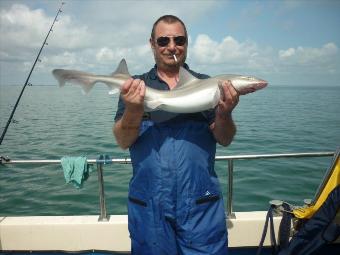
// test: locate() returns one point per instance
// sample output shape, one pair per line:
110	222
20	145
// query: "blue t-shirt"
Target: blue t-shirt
152	80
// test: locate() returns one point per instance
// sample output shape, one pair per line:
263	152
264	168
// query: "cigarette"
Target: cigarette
175	57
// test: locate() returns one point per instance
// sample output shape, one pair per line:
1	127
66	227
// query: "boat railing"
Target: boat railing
103	160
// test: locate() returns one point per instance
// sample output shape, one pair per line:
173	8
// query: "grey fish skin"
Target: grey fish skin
189	96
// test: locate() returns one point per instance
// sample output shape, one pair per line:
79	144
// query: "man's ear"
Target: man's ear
152	44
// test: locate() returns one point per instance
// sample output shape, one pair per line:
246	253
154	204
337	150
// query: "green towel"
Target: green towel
76	170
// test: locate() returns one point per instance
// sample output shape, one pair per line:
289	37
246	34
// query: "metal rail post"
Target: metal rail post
103	215
230	213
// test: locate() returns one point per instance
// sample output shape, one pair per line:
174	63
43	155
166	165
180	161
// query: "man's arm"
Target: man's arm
224	128
126	129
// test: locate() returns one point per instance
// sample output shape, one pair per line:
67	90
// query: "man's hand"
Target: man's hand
229	99
133	92
223	127
126	129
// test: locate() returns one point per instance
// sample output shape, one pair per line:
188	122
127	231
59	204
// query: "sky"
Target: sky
287	43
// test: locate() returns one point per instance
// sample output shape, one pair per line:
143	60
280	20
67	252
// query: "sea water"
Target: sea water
51	122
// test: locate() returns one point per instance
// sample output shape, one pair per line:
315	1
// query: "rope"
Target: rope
269	218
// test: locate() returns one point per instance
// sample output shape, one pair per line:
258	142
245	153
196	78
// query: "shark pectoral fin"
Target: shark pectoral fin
86	85
152	105
85	90
114	91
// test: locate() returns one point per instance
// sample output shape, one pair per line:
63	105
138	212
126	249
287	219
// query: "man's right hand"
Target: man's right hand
126	130
133	92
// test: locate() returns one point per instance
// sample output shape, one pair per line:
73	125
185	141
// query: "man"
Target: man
175	204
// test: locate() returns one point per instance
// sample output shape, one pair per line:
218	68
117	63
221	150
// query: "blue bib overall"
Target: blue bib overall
175	205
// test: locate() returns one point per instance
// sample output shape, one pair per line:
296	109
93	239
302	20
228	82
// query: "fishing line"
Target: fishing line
29	75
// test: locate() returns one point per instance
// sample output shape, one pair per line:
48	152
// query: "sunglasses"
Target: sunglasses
164	40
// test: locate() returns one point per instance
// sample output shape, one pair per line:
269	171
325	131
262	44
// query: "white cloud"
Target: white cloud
230	54
96	43
283	54
24	28
67	58
206	50
123	23
71	35
105	54
138	57
309	56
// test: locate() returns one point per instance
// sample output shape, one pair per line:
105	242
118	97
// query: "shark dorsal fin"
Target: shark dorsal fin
185	78
122	68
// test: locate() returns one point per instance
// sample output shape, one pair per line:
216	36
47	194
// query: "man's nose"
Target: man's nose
172	45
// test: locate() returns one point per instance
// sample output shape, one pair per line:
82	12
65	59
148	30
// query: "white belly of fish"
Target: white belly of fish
188	103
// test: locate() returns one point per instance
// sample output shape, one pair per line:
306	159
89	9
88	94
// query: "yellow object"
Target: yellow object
332	183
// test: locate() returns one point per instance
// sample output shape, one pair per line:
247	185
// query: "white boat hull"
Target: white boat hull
77	233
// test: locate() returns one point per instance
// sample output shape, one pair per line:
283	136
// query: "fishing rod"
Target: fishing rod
29	75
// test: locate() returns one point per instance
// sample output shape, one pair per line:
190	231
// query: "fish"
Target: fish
190	95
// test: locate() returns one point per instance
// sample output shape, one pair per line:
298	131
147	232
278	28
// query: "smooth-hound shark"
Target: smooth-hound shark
190	94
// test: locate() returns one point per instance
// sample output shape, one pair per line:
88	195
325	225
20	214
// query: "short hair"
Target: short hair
169	19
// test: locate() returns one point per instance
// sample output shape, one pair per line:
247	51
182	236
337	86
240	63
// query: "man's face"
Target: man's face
164	54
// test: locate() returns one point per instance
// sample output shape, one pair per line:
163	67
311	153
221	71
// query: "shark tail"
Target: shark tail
85	80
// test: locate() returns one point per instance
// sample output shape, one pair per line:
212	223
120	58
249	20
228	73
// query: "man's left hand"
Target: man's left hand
229	99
